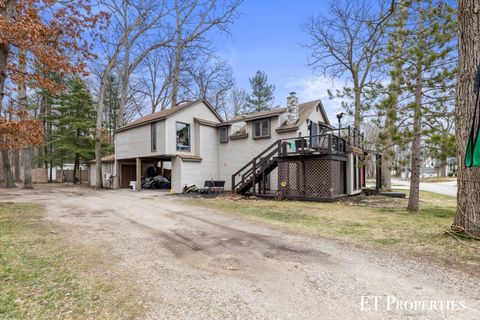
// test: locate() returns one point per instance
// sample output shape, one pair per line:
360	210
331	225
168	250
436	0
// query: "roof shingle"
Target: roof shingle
161	115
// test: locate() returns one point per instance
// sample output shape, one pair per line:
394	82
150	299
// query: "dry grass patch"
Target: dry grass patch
44	277
386	226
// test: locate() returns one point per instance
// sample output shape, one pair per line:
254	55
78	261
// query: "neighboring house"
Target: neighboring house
193	144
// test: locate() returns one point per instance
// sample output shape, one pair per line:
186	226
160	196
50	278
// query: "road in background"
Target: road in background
446	188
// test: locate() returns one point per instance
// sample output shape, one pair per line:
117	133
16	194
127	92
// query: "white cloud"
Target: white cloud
316	87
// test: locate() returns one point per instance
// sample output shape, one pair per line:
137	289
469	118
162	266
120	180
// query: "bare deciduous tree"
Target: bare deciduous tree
156	70
131	20
345	43
238	101
154	35
193	19
212	78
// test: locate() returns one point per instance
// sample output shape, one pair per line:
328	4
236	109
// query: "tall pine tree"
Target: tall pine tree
430	69
74	120
261	98
389	136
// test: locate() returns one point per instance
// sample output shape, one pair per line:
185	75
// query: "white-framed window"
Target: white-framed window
223	134
261	129
183	136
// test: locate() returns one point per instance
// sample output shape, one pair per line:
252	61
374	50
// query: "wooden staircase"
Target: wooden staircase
253	175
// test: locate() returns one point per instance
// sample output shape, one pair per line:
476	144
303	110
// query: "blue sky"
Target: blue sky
268	37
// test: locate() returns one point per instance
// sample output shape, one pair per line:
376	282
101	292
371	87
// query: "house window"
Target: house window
183	136
153	136
224	134
261	129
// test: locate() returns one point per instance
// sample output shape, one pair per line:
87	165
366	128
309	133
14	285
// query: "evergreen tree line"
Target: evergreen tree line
69	124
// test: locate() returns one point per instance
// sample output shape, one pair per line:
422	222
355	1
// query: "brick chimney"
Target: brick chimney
292	108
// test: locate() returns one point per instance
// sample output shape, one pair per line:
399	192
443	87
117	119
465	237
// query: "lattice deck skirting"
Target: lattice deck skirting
311	178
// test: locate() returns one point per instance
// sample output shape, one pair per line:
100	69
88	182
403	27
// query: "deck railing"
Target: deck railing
325	143
328	142
353	136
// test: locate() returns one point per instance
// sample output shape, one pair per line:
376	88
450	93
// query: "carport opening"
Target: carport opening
156	174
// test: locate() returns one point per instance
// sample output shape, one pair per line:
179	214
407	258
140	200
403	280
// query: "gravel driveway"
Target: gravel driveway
196	263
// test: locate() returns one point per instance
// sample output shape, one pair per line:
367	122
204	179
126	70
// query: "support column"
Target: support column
138	169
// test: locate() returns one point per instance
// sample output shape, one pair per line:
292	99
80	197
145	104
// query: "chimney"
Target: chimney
292	108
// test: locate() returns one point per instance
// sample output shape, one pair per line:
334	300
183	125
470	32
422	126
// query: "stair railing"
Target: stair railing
258	162
328	142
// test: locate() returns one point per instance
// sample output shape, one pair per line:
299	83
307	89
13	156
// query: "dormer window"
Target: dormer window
261	128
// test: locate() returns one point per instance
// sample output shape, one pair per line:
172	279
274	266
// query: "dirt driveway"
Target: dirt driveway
195	263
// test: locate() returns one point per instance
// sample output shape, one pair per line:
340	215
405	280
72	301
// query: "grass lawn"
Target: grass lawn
378	222
42	276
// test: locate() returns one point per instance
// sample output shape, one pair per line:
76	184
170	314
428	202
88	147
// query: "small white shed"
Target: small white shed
108	165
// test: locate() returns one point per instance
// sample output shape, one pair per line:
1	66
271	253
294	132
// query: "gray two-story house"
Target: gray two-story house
191	144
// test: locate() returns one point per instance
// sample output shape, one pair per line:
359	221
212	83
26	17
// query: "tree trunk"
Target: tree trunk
176	70
386	169
124	89
443	168
50	169
357	117
98	154
100	106
16	163
98	125
76	165
391	112
27	168
7	11
7	169
467	217
22	100
414	197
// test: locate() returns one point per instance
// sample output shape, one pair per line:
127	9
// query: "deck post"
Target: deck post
283	150
138	171
330	144
254	173
264	189
233	183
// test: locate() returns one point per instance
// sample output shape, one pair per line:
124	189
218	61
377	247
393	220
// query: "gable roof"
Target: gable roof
257	115
161	115
305	109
